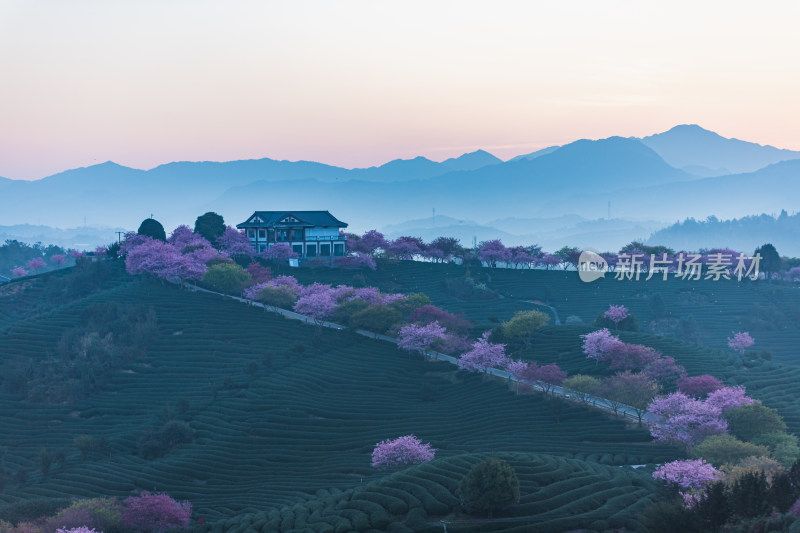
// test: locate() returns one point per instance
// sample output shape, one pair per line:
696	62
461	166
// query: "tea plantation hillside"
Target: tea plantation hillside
556	494
276	410
711	310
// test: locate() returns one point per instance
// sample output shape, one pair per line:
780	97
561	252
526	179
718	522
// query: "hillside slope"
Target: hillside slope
278	410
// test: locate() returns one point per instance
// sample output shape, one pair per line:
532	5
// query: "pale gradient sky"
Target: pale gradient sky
358	83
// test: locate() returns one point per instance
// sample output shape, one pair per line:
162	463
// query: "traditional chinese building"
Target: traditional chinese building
309	233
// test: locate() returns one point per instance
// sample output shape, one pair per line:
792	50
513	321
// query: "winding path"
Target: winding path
555	390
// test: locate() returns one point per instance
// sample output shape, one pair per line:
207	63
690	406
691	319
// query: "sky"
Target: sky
358	83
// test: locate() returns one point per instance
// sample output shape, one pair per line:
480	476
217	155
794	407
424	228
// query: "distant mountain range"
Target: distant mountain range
640	178
705	153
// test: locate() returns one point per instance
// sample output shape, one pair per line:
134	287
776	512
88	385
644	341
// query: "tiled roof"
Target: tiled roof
304	218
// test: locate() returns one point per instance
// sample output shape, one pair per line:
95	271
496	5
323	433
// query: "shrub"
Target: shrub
228	278
283	297
784	447
523	324
721	449
155	512
489	486
376	318
749	421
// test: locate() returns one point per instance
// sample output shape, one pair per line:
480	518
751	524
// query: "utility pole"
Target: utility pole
119	236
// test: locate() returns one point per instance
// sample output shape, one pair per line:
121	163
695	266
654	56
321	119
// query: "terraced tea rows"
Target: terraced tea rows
279	410
770	311
557	494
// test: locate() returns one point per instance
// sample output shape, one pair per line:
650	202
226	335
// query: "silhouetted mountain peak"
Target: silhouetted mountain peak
471	160
689	146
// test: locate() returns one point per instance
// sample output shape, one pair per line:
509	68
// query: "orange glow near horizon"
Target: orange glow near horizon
358	83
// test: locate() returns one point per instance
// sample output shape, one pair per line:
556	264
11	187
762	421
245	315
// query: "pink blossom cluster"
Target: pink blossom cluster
155	512
616	313
19	272
688	421
401	451
688	473
698	386
601	345
484	355
164	261
235	243
355	260
35	264
740	341
81	529
547	376
597	343
416	338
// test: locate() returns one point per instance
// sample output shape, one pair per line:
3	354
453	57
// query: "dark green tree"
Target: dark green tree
714	510
770	259
781	493
749	495
489	486
749	421
210	225
152	228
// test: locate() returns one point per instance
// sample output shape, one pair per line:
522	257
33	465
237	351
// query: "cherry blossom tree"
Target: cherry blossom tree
75	254
404	450
684	420
258	272
278	252
520	257
155	512
548	261
18	272
740	341
664	370
698	386
162	260
483	356
235	243
688	473
58	259
443	248
690	476
430	313
412	337
597	343
616	313
319	304
728	398
356	260
626	356
101	251
405	247
369	243
492	252
131	241
36	264
548	376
